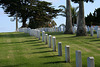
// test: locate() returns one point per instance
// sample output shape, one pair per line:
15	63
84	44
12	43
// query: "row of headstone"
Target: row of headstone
91	29
52	40
31	32
55	29
75	28
59	29
25	30
94	28
36	33
97	30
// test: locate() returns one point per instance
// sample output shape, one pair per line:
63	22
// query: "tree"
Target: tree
74	12
67	14
69	29
81	30
16	23
43	13
64	10
53	23
96	15
93	18
37	11
89	19
21	7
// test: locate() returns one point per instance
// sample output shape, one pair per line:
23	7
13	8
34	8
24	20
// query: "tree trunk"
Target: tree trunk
16	22
24	22
77	19
68	19
81	30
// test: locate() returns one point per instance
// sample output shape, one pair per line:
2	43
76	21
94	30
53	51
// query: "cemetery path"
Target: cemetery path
22	50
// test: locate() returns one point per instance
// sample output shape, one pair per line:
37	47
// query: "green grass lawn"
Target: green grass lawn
22	50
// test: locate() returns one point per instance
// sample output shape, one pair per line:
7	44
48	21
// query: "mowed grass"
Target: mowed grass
21	50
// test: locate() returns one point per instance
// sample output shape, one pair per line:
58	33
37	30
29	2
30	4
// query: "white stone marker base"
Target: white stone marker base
54	43
39	34
98	33
46	38
43	34
50	41
91	31
59	49
67	53
90	62
78	59
88	29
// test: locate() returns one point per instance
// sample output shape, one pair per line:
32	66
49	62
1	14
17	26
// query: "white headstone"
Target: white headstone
39	34
54	43
50	41
90	62
73	29
98	33
91	31
88	29
67	53
59	49
78	59
43	34
46	38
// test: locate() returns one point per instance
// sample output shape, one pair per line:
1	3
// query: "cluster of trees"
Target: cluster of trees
39	13
93	18
81	30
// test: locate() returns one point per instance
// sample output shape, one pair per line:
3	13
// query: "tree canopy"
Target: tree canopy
39	12
44	13
93	18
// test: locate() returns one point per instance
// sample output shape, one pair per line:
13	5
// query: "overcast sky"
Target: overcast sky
7	26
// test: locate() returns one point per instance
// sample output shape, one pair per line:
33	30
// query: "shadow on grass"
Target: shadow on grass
34	42
55	33
13	65
90	38
95	40
38	44
70	37
14	35
41	48
41	52
97	65
55	62
98	46
49	56
86	42
10	43
31	40
27	42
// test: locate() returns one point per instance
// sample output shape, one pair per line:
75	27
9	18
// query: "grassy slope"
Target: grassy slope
22	50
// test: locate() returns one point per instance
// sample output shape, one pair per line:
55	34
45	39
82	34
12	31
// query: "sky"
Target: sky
8	26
